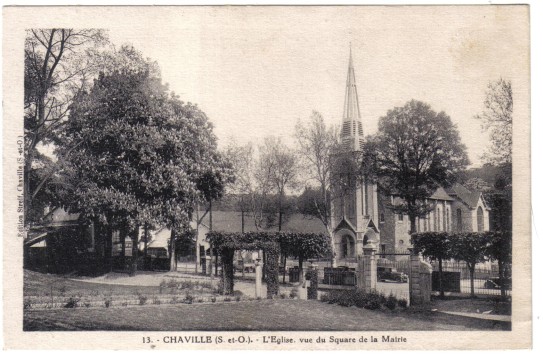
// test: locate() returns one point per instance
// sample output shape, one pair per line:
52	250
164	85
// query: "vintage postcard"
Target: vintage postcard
267	177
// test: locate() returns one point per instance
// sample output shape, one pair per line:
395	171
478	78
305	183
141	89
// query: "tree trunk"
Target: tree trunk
333	259
412	224
472	279
134	263
284	264
441	292
173	259
301	270
502	279
145	243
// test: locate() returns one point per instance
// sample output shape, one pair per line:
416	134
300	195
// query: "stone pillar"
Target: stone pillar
367	269
313	281
258	272
420	281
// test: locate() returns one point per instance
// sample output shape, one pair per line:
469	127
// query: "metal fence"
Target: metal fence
456	278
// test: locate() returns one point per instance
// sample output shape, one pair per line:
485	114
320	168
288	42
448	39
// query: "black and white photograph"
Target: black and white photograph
301	176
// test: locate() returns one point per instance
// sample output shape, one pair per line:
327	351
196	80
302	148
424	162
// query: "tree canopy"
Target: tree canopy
416	151
498	119
138	152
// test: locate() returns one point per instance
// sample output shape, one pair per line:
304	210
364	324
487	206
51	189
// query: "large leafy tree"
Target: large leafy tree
140	155
316	143
58	66
417	150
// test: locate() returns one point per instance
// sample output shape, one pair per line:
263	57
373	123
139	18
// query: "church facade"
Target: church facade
362	216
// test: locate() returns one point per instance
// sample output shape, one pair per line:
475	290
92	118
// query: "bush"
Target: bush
156	300
391	302
142	299
174	300
402	302
213	299
238	298
107	302
293	293
325	297
200	300
283	296
373	301
188	299
72	302
227	299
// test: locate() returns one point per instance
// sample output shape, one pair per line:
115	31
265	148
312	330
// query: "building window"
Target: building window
459	220
438	220
480	220
382	217
383	250
400	216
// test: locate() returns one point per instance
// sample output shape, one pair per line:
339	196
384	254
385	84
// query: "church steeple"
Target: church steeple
352	134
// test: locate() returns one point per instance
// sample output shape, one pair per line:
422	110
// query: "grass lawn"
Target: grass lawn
272	315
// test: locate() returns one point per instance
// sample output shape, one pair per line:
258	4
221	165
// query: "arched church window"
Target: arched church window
480	220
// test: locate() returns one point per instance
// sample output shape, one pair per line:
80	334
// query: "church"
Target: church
362	215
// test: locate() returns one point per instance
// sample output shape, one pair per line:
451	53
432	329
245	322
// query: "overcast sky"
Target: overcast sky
256	71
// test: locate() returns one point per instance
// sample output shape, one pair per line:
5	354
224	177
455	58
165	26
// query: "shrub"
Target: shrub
374	301
361	299
107	302
200	300
189	299
391	302
142	299
227	299
347	298
402	302
293	293
156	300
72	302
238	298
213	299
87	304
283	296
174	300
325	297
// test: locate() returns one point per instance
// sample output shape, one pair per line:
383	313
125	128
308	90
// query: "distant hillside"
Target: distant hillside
488	173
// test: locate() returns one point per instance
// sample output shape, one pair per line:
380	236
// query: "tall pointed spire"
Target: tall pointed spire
351	133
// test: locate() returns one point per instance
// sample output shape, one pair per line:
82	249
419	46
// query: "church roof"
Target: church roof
352	134
441	194
469	197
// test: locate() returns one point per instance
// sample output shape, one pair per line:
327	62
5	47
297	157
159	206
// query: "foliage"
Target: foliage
138	153
360	299
316	144
417	150
472	248
498	119
402	303
433	245
58	64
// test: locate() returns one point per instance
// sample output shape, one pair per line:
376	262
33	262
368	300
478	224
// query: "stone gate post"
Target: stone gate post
367	269
313	278
420	280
